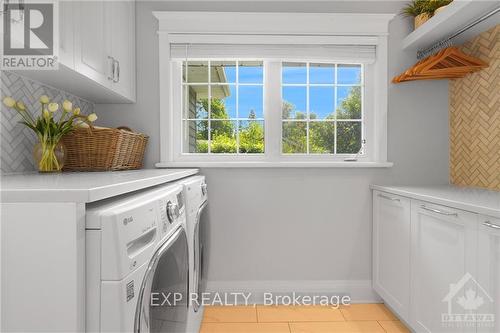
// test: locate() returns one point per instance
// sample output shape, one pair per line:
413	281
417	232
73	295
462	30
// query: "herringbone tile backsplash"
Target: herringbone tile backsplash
475	117
17	141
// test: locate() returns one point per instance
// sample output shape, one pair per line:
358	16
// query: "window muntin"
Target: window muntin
223	107
322	108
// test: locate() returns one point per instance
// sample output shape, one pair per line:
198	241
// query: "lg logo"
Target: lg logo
29	29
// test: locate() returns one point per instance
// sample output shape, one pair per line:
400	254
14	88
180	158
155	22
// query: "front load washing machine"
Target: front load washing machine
196	194
137	263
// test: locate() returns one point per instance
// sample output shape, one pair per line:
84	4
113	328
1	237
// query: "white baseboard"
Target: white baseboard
360	291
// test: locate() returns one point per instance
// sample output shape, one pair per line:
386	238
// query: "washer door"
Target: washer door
163	298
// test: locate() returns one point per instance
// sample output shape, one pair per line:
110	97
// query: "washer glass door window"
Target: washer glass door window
163	298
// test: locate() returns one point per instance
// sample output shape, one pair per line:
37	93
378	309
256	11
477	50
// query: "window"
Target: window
245	89
223	110
322	110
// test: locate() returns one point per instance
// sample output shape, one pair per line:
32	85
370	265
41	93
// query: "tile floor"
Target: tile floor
355	318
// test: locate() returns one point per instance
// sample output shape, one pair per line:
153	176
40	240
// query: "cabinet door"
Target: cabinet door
391	250
92	42
489	274
121	28
443	254
66	34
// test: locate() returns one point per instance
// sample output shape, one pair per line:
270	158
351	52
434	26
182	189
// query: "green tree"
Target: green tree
348	137
252	138
294	132
350	108
223	132
322	134
218	111
252	115
349	133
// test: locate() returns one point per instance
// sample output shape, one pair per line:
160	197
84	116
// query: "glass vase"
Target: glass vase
49	156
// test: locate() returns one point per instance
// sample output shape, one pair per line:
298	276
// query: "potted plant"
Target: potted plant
437	6
422	10
416	9
49	153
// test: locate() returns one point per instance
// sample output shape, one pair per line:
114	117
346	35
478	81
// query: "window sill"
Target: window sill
286	164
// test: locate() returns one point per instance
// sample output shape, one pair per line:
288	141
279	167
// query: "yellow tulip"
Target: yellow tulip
67	105
20	106
46	114
9	102
76	111
53	107
44	99
92	117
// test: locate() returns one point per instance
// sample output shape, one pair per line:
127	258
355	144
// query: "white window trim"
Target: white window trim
271	28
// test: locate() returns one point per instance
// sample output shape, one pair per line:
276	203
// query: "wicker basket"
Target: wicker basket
104	149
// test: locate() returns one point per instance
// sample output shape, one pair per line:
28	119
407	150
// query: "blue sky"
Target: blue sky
321	98
250	97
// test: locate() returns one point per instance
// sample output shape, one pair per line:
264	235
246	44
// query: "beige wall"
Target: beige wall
475	117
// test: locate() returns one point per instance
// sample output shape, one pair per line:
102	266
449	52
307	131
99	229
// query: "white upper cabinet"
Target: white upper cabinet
96	51
488	274
105	44
66	34
391	250
121	29
92	43
443	247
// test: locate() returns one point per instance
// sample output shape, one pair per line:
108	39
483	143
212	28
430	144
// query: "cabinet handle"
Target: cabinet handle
112	76
437	211
491	225
117	79
389	198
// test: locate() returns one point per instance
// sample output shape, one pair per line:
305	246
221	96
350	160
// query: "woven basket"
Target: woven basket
104	149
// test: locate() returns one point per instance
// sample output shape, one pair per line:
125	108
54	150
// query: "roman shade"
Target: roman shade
364	54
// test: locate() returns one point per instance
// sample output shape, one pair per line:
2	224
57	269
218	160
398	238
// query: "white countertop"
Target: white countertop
83	187
471	199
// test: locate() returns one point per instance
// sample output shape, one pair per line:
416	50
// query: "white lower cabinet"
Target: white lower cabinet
436	266
488	274
443	247
391	246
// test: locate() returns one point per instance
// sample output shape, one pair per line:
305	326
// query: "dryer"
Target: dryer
196	194
137	263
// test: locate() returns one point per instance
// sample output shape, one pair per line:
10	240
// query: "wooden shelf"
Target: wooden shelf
454	17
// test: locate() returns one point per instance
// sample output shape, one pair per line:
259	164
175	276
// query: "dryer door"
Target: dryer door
198	260
162	305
